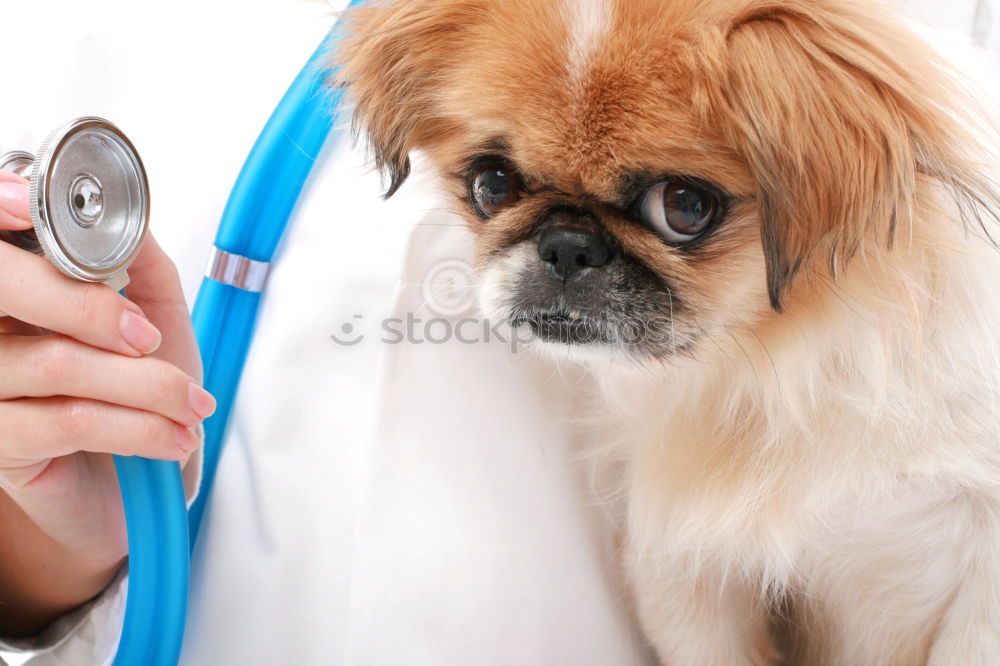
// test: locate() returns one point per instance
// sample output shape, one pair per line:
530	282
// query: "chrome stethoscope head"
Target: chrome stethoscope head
89	200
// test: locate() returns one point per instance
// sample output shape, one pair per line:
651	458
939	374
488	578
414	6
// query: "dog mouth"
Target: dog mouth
570	327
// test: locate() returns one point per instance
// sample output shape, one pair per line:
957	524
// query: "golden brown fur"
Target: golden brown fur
818	449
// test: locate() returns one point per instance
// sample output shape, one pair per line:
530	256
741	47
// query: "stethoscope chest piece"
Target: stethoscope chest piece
89	201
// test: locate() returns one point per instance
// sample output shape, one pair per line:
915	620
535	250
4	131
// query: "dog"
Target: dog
768	228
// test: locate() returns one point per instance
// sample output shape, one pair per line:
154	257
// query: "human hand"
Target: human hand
85	373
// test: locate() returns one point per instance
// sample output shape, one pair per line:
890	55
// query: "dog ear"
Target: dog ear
837	111
390	59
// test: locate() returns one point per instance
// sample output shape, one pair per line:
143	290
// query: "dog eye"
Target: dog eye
678	212
493	187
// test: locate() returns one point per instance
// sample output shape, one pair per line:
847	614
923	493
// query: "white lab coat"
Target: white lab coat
408	504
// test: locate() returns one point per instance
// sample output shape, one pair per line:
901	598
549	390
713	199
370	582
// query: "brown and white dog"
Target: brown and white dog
766	226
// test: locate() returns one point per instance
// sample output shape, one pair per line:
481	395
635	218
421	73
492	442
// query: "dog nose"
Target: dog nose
567	252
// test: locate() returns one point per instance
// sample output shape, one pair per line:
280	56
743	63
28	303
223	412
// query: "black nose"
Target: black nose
567	252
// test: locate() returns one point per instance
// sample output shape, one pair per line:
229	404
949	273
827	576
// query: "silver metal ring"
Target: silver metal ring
17	161
237	271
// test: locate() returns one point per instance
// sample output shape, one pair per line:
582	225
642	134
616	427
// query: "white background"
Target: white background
169	75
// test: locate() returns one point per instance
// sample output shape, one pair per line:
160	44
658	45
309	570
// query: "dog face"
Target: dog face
641	174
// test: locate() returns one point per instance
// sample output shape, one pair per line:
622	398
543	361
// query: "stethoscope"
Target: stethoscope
89	202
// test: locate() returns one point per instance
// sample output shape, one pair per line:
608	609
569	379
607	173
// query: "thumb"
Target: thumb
14	213
155	286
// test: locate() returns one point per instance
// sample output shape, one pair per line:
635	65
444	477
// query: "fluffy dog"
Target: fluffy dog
766	226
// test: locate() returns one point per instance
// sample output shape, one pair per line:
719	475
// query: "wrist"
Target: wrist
40	578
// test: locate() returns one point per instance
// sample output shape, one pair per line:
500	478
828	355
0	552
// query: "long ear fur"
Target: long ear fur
838	110
391	59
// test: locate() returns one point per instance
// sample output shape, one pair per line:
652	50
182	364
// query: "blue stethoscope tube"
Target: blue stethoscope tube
161	533
252	225
153	495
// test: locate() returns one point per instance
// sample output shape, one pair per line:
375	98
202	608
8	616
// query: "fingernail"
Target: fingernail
131	305
14	200
201	401
139	333
186	439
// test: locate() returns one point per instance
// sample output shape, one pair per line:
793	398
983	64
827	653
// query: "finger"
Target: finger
11	326
34	291
156	287
40	428
14	211
11	177
55	365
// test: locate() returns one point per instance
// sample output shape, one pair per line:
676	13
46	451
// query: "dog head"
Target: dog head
641	173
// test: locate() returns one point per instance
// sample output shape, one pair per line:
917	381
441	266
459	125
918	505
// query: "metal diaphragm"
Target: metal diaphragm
89	201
